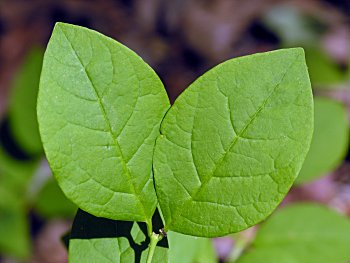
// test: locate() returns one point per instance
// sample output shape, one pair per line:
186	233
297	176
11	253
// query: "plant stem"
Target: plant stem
154	238
149	228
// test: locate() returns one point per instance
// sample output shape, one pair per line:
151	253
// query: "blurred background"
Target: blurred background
180	39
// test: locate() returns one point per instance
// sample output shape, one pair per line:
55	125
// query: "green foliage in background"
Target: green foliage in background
330	140
18	176
22	108
52	203
292	26
296	28
324	72
14	229
15	175
303	233
14	178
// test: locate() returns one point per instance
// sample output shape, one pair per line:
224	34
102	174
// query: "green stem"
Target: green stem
154	238
149	228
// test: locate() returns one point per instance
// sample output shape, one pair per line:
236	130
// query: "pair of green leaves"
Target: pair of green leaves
226	152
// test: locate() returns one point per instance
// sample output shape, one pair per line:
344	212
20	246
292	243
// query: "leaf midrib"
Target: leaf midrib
245	128
107	121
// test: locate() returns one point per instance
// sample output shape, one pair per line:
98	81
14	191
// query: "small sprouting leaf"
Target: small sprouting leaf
22	108
101	240
99	110
189	249
233	143
330	140
51	202
302	233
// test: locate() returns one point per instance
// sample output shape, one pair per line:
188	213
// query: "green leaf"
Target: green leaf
189	249
96	239
233	143
116	250
14	229
99	110
22	108
51	202
330	141
100	250
302	233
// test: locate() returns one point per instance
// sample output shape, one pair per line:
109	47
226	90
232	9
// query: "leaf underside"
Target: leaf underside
99	110
233	143
302	233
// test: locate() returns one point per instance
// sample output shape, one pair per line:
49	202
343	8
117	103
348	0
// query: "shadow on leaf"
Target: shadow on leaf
87	226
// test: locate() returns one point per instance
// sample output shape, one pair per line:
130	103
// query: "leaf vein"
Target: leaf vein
103	110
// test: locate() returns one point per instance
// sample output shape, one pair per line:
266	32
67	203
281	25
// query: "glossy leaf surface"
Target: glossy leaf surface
233	143
99	110
303	233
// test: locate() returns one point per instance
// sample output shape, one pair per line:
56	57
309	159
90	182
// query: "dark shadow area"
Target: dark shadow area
262	34
87	226
2	27
9	143
61	14
36	224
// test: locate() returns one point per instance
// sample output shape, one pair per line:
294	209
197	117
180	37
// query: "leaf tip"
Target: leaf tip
61	25
298	50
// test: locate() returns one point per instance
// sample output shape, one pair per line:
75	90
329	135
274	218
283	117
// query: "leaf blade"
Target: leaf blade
223	136
99	109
